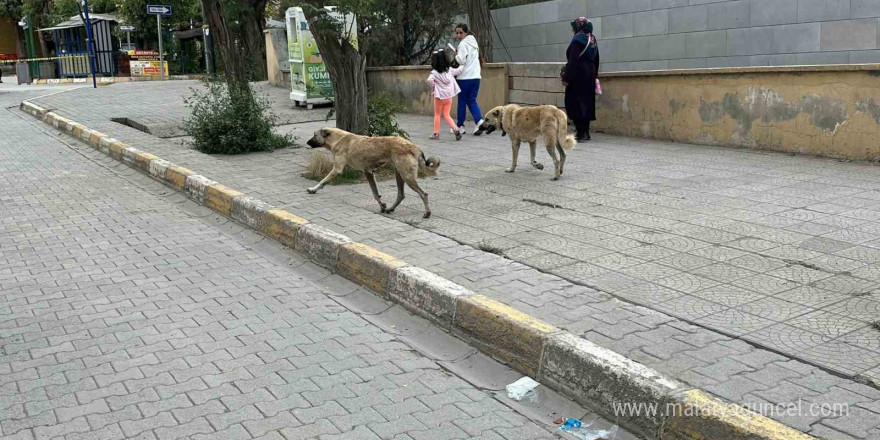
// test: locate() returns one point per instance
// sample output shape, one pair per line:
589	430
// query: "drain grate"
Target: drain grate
133	124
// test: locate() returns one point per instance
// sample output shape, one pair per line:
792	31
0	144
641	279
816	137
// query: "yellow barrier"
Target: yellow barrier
30	60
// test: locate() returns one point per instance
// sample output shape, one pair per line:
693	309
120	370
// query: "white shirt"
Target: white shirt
468	55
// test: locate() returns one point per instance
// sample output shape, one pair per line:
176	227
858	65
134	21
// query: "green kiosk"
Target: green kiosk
309	79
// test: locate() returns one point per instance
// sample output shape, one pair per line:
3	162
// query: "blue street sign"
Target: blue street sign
163	10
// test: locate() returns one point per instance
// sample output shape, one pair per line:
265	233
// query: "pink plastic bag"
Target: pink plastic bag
598	87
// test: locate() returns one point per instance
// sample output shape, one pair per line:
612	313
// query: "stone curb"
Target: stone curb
591	375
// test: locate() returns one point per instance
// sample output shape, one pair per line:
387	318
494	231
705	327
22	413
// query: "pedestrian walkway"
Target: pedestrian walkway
127	311
749	274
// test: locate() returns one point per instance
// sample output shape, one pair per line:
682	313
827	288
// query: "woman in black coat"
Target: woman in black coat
579	77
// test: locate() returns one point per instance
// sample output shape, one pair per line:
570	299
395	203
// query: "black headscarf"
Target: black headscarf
584	36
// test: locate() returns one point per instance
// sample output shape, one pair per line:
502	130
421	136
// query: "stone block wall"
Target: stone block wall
686	34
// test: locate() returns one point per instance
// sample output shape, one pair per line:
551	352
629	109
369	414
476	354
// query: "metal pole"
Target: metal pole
128	39
209	50
206	41
161	54
89	39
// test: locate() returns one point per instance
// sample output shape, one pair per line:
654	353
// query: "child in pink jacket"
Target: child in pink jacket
443	88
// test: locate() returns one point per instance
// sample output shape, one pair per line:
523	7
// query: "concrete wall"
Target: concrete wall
407	85
277	61
829	111
685	34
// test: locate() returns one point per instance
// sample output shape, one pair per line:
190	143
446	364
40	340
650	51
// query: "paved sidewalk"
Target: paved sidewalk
133	313
741	271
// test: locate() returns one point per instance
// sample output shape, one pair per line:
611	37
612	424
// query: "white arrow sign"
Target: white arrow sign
159	9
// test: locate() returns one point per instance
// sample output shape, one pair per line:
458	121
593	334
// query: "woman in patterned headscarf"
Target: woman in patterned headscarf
579	77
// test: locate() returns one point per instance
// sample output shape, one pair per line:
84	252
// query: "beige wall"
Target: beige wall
407	85
830	111
277	57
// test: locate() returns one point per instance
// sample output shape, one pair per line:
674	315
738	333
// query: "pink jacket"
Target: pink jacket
443	85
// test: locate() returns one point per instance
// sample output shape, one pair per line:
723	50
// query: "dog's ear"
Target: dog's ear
325	132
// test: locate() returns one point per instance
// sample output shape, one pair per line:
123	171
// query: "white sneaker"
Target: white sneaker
460	130
477	130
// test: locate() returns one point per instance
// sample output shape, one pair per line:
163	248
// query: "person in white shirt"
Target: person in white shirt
468	56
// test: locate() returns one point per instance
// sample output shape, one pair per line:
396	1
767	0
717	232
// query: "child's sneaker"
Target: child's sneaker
434	137
458	135
479	130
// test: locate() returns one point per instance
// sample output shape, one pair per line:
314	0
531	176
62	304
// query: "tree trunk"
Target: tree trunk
350	90
233	61
19	42
253	37
348	72
480	22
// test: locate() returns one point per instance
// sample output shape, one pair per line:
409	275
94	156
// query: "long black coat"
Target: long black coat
580	74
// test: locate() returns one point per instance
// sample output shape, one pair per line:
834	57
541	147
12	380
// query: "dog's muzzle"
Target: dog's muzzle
313	143
488	129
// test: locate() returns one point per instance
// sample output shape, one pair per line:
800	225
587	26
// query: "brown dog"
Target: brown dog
367	154
529	123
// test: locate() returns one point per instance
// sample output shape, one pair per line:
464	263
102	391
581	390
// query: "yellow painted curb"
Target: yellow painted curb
219	198
504	332
76	129
283	226
142	160
95	138
367	266
699	416
117	150
176	176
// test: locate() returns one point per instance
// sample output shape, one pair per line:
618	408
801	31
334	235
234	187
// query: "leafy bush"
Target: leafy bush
231	120
382	110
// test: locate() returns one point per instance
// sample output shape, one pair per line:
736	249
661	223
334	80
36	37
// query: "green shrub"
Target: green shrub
231	120
382	111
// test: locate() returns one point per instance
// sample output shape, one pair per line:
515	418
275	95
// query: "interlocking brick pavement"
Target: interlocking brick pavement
125	313
739	253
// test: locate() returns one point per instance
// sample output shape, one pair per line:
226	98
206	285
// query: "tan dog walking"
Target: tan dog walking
367	154
526	124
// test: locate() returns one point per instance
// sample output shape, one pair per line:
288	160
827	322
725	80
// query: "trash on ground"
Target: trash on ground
581	429
523	389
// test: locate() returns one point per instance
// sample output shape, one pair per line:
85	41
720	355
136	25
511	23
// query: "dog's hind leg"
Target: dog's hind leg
532	146
371	179
514	145
338	167
399	193
561	157
551	149
415	187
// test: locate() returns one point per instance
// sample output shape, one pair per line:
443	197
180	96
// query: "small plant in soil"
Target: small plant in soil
231	119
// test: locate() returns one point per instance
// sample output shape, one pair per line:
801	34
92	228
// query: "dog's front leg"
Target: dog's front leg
532	146
514	145
371	179
337	168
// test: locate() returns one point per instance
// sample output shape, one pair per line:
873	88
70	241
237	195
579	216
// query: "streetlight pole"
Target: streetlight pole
90	41
161	54
206	40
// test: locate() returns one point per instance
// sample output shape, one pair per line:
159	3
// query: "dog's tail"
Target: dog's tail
566	140
428	166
